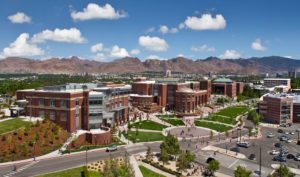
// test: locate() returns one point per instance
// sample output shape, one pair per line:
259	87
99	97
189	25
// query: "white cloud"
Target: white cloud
202	48
117	52
72	35
153	43
257	45
150	30
22	47
180	55
135	52
19	17
205	22
97	48
164	29
94	11
288	56
230	54
154	57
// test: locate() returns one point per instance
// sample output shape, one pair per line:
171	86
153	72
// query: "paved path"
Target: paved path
2	120
145	130
215	122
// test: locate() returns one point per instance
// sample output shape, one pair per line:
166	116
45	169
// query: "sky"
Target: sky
161	29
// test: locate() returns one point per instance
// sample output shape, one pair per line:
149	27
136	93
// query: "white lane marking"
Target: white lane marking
233	163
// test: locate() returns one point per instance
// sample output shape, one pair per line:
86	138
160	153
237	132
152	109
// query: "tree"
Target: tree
254	117
184	159
171	145
282	171
164	156
242	172
213	166
149	154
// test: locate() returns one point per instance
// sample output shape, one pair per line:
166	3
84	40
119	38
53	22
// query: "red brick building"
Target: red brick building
227	87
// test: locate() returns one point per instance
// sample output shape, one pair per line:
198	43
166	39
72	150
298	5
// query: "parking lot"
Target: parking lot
267	145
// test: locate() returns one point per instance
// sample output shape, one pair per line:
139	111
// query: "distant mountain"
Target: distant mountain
270	64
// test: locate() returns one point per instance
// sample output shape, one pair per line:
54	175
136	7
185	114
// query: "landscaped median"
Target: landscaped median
73	172
149	173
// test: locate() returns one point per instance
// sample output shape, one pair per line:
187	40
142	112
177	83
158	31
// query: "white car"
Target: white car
289	141
287	133
292	133
270	135
297	158
274	152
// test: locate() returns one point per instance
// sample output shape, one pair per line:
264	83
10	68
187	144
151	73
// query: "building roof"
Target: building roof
277	79
223	80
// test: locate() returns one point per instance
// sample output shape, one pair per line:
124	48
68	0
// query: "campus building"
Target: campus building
183	97
273	82
280	108
79	106
227	87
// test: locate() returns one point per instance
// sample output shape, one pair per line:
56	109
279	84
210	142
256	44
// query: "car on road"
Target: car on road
252	157
278	145
280	131
290	156
243	144
274	152
284	138
279	158
270	135
111	148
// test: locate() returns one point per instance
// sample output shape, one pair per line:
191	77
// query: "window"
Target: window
42	114
52	115
77	102
41	102
52	103
63	103
63	116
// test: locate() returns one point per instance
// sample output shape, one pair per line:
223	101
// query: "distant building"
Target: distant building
227	87
183	97
168	73
272	82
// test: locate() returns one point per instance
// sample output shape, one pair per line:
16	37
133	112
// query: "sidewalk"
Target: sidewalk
135	165
223	151
293	170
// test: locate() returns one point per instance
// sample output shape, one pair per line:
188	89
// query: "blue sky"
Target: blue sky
161	29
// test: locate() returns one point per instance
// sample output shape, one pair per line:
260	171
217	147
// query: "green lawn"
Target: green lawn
233	111
148	125
12	124
74	172
165	116
144	136
149	173
213	126
174	122
226	120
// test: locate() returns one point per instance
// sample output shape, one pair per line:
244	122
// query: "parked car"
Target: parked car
283	138
235	149
274	152
279	158
243	144
292	133
111	148
289	141
270	135
287	133
280	131
297	157
252	157
278	145
290	156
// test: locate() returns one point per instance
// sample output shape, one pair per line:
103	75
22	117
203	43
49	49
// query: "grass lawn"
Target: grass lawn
233	111
226	120
174	122
148	125
12	124
149	173
74	172
213	126
144	136
165	116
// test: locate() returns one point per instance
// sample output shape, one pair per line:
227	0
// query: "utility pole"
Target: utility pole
260	160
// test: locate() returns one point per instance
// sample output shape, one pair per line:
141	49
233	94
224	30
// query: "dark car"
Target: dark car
279	158
209	159
278	145
290	156
280	131
235	149
252	157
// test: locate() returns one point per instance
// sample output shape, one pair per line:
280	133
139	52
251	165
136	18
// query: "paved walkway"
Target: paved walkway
2	120
204	120
145	130
223	151
135	165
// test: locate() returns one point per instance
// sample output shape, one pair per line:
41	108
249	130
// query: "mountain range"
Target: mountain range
73	65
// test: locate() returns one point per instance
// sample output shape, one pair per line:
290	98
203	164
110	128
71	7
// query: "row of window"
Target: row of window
63	103
52	115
